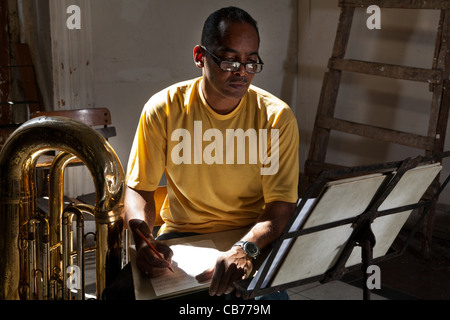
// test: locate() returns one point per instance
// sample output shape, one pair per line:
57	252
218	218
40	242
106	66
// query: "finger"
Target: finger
155	272
205	275
164	250
154	260
237	275
248	269
226	282
229	290
149	263
217	276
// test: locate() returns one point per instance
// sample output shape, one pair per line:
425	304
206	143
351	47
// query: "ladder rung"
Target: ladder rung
377	133
387	70
397	4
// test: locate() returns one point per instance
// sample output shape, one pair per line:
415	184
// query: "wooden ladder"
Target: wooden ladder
437	78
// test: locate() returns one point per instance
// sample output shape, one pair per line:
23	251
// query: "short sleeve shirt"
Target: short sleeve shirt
221	169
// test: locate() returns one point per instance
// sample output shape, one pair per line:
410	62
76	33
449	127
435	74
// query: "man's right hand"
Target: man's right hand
149	263
147	260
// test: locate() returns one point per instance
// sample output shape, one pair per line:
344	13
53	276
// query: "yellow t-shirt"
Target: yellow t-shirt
221	169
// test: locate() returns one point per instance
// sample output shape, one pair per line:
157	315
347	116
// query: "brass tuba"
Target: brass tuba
27	270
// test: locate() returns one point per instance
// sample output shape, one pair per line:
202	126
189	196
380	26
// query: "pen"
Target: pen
153	248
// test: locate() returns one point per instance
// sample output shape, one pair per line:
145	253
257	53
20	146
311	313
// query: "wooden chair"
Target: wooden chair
160	197
100	118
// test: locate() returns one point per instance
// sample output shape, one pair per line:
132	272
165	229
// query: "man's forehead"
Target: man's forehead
234	34
227	27
224	49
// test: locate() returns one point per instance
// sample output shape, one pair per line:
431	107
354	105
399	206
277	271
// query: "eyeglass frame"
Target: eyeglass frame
219	62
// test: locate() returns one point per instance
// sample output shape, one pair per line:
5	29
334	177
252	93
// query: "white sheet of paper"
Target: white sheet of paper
189	260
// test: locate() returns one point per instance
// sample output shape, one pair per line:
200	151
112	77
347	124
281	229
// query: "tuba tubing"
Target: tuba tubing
17	199
66	225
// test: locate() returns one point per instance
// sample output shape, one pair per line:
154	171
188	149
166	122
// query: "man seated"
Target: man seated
229	151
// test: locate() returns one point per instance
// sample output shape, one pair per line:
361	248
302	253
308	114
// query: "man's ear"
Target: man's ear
198	56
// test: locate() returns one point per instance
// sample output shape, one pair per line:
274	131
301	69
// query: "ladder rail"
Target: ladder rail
435	77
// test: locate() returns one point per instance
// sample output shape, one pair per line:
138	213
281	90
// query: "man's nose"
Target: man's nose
241	71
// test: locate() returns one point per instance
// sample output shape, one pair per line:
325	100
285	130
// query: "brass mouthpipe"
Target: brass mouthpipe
17	163
56	204
67	216
38	269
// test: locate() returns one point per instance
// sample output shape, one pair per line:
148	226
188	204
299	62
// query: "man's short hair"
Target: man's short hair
211	34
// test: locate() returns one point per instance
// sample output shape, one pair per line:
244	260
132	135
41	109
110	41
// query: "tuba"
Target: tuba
37	253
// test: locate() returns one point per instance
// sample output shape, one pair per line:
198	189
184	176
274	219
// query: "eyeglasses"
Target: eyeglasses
233	66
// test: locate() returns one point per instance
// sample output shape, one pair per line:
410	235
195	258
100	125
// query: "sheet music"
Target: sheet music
295	226
189	260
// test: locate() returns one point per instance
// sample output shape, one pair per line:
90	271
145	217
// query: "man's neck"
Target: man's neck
223	107
219	104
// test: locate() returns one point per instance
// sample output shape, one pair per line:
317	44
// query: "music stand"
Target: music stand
363	206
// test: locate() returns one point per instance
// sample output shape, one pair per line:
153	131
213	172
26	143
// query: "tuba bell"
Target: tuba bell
36	251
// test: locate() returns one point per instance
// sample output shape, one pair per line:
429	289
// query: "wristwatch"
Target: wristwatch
250	248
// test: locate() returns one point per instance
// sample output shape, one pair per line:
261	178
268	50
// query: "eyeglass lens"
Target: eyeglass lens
234	66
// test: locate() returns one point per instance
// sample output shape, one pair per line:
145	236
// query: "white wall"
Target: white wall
143	46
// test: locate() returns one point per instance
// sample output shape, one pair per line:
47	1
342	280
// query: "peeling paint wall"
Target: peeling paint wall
35	31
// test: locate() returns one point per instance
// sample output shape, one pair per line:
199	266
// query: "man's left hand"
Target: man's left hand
232	266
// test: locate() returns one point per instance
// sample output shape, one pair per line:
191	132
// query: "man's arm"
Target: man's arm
271	224
234	264
139	205
140	214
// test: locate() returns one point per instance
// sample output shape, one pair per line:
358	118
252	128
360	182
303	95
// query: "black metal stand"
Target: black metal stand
362	234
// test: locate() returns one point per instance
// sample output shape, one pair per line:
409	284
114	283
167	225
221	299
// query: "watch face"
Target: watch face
251	249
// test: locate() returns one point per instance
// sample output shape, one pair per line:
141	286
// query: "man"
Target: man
229	151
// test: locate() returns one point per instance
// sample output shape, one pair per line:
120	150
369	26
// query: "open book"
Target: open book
189	260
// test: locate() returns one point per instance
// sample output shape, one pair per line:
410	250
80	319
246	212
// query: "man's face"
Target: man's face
239	42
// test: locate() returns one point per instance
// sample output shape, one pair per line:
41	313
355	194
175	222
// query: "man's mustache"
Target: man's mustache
239	80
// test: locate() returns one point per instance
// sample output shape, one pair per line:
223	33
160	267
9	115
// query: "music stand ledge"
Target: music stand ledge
348	219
